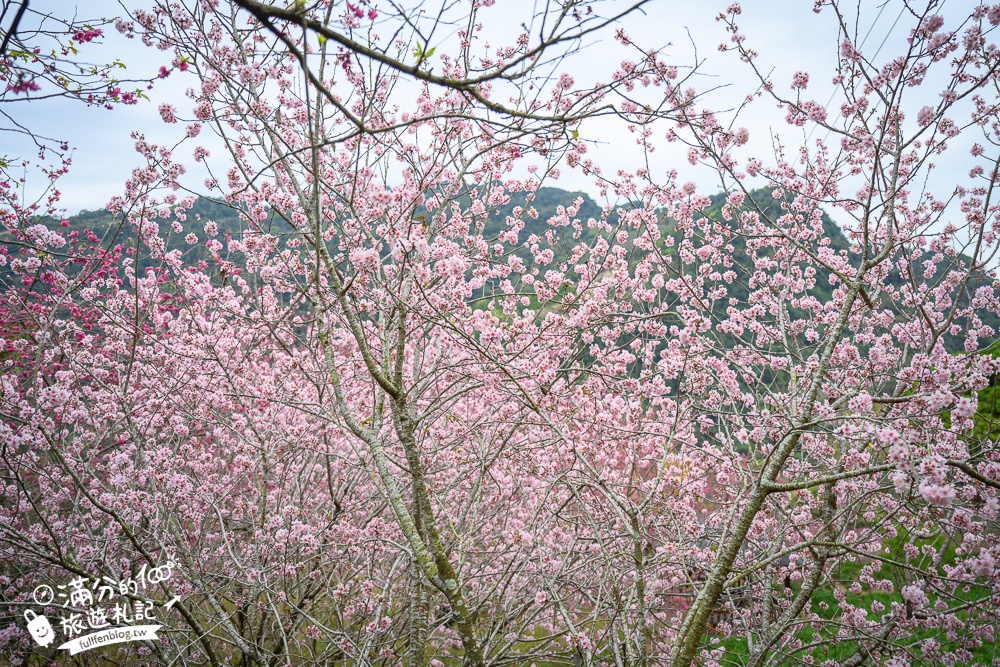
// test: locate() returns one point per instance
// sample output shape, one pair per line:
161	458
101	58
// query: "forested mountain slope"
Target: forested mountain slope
188	233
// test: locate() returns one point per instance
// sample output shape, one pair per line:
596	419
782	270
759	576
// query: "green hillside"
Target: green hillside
545	205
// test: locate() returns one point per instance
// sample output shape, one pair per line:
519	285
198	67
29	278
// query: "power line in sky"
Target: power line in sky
861	46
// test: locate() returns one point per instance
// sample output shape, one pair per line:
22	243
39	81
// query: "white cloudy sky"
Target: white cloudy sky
786	33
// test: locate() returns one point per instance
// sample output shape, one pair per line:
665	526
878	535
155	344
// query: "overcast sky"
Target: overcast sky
787	34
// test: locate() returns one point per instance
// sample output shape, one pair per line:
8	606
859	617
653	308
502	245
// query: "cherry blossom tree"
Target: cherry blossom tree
385	423
42	57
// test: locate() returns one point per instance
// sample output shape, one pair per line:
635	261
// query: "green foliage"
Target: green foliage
987	417
228	220
544	206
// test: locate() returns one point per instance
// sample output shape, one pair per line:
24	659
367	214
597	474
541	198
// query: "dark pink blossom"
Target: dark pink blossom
83	36
23	86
